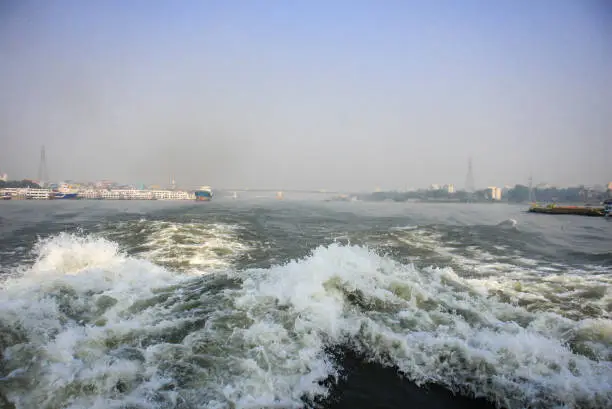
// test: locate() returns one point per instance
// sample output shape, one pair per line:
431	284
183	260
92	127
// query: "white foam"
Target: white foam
263	344
508	223
404	228
66	308
524	280
194	247
431	325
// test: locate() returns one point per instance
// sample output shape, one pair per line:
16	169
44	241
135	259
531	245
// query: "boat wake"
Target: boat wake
87	326
196	247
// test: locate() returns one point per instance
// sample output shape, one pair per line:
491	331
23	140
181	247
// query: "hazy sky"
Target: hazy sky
307	94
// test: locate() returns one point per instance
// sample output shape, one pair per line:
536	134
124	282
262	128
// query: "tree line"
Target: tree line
19	184
517	194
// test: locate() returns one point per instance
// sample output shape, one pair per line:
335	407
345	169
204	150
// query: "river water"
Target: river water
258	303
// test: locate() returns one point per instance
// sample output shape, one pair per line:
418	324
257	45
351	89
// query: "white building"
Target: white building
493	193
4	177
27	193
172	195
90	194
9	191
38	194
135	194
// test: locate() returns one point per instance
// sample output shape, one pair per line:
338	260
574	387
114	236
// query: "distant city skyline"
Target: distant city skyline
450	187
308	94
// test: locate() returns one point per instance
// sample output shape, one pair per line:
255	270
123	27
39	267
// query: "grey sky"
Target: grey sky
348	95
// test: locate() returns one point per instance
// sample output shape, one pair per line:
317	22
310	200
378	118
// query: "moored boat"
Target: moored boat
65	191
576	210
204	194
59	195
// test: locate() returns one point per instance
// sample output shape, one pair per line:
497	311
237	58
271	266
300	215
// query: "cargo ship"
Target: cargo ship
576	210
204	194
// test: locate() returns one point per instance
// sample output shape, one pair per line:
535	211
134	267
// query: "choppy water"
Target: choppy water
291	304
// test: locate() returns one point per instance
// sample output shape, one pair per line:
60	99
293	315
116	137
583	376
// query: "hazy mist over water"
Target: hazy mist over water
340	95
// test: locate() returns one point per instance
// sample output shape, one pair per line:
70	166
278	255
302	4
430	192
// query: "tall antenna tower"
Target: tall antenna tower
469	180
43	174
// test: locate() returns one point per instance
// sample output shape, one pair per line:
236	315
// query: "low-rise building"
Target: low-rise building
26	193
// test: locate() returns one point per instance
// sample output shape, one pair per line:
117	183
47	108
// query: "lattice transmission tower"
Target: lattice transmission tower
43	174
469	179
